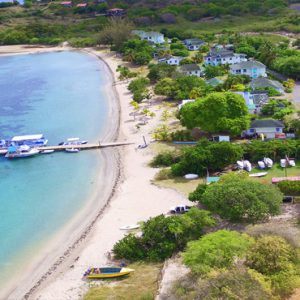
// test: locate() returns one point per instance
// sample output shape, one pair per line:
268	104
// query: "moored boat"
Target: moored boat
47	151
33	140
72	150
107	272
21	152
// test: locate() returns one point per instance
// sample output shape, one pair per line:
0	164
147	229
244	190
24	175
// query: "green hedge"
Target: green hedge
290	188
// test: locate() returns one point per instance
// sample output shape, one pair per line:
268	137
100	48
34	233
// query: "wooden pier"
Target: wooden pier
84	146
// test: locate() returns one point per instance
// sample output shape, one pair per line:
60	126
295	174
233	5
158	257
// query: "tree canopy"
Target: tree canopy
216	250
239	199
217	113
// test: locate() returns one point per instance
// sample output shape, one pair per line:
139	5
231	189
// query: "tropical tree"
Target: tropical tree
216	113
245	200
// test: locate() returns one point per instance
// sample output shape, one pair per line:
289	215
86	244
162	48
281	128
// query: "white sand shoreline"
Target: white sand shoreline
136	199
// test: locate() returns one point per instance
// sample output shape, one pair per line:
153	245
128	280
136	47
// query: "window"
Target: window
252	130
277	129
245	70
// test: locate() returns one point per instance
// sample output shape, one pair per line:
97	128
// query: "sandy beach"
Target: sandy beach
133	199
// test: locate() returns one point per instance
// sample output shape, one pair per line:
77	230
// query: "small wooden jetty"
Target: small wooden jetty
85	146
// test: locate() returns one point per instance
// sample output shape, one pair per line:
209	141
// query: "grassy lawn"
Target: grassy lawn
277	171
141	285
180	184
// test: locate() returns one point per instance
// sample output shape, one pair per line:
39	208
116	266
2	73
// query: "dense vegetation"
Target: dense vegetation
217	113
230	265
162	236
239	199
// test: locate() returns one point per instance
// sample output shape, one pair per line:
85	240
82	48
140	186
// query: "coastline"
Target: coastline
134	199
67	242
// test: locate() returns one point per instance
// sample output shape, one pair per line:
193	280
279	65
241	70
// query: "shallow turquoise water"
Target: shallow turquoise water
60	95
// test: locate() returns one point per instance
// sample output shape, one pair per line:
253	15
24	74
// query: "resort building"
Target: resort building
269	128
252	68
191	69
223	57
171	60
193	44
150	36
262	82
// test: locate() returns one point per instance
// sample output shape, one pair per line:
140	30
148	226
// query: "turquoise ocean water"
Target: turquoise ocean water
60	95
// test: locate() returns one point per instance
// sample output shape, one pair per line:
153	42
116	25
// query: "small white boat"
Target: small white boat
21	152
261	165
261	174
240	164
46	151
72	150
130	227
83	142
3	151
33	140
268	162
191	176
247	165
283	163
292	163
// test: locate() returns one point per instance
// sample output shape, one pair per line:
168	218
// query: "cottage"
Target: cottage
115	12
193	44
191	69
258	83
214	81
171	60
252	68
150	36
223	57
269	128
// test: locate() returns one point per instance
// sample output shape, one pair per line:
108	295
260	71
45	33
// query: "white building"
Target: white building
171	60
223	57
252	68
193	44
150	36
191	69
269	128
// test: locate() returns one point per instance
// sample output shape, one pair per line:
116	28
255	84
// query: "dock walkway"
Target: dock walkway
84	146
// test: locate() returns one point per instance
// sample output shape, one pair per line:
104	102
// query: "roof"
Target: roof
193	41
190	67
268	123
27	137
66	2
220	53
212	179
214	81
147	33
248	64
265	82
81	5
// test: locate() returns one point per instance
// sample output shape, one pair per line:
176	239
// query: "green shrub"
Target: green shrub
239	199
198	193
216	250
162	236
165	159
289	188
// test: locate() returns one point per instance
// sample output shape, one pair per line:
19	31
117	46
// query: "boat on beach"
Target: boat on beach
107	272
21	152
260	174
